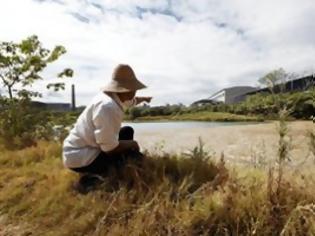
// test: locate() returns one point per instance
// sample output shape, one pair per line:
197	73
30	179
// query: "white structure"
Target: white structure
218	97
228	95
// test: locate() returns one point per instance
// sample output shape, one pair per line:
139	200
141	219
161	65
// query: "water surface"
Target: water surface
162	125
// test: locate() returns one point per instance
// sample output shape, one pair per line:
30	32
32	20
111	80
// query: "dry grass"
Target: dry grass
191	195
312	141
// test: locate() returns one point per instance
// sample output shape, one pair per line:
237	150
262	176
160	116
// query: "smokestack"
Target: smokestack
73	97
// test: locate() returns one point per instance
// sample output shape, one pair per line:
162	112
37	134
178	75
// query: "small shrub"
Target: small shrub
21	125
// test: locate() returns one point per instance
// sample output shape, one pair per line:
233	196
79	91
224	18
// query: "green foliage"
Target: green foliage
300	105
275	77
199	152
135	112
21	65
56	86
21	125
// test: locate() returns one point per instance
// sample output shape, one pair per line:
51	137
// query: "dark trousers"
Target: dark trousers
104	161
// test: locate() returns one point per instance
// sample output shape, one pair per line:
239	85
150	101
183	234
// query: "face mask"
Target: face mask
128	103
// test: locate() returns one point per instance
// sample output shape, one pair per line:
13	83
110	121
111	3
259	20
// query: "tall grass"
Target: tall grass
164	195
312	141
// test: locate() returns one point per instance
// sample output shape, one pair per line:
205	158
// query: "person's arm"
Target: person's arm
107	127
143	99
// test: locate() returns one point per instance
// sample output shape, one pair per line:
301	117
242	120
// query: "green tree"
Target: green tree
273	78
21	65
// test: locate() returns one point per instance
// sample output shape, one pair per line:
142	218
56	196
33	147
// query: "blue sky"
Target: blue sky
183	50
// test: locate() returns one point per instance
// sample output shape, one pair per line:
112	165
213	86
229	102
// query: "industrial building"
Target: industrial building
52	106
228	95
297	85
58	106
238	94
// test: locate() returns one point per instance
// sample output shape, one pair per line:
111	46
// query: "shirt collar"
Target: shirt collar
116	99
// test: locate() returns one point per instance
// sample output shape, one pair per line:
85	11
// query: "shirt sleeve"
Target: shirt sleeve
107	127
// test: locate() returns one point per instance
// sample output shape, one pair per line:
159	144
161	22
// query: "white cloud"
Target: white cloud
183	50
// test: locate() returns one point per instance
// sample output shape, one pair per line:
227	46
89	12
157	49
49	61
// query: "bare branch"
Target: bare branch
4	80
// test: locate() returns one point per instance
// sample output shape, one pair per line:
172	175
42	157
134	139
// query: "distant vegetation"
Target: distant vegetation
301	105
203	116
258	107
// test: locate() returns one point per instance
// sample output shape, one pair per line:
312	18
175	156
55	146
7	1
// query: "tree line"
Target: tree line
300	105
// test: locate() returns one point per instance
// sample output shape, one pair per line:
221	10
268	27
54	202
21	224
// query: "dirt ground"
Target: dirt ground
243	142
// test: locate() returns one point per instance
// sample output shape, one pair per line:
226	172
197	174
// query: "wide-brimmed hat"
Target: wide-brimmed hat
123	80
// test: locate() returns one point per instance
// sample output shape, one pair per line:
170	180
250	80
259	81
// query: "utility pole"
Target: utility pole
73	97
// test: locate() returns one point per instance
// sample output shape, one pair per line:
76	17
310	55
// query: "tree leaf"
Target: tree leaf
56	53
66	73
56	86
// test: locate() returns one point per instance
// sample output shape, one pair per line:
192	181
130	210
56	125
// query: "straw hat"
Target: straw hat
123	80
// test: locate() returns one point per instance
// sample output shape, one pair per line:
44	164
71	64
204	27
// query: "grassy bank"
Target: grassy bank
186	195
202	116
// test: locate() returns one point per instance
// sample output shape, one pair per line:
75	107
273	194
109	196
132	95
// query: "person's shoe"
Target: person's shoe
87	183
136	155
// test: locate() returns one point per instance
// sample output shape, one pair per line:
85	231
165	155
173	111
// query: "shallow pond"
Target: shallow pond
146	126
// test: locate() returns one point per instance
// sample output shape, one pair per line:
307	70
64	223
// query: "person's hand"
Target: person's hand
143	99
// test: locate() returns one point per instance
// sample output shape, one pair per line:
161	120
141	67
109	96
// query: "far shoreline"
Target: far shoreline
199	116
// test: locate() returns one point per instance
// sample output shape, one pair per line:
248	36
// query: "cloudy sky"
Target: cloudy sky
182	49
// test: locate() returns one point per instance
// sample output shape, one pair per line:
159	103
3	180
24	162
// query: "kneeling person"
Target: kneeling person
97	139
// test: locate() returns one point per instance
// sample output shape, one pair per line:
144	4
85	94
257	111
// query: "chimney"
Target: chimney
73	97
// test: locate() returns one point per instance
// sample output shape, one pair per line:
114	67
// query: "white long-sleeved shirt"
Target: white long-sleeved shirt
97	129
